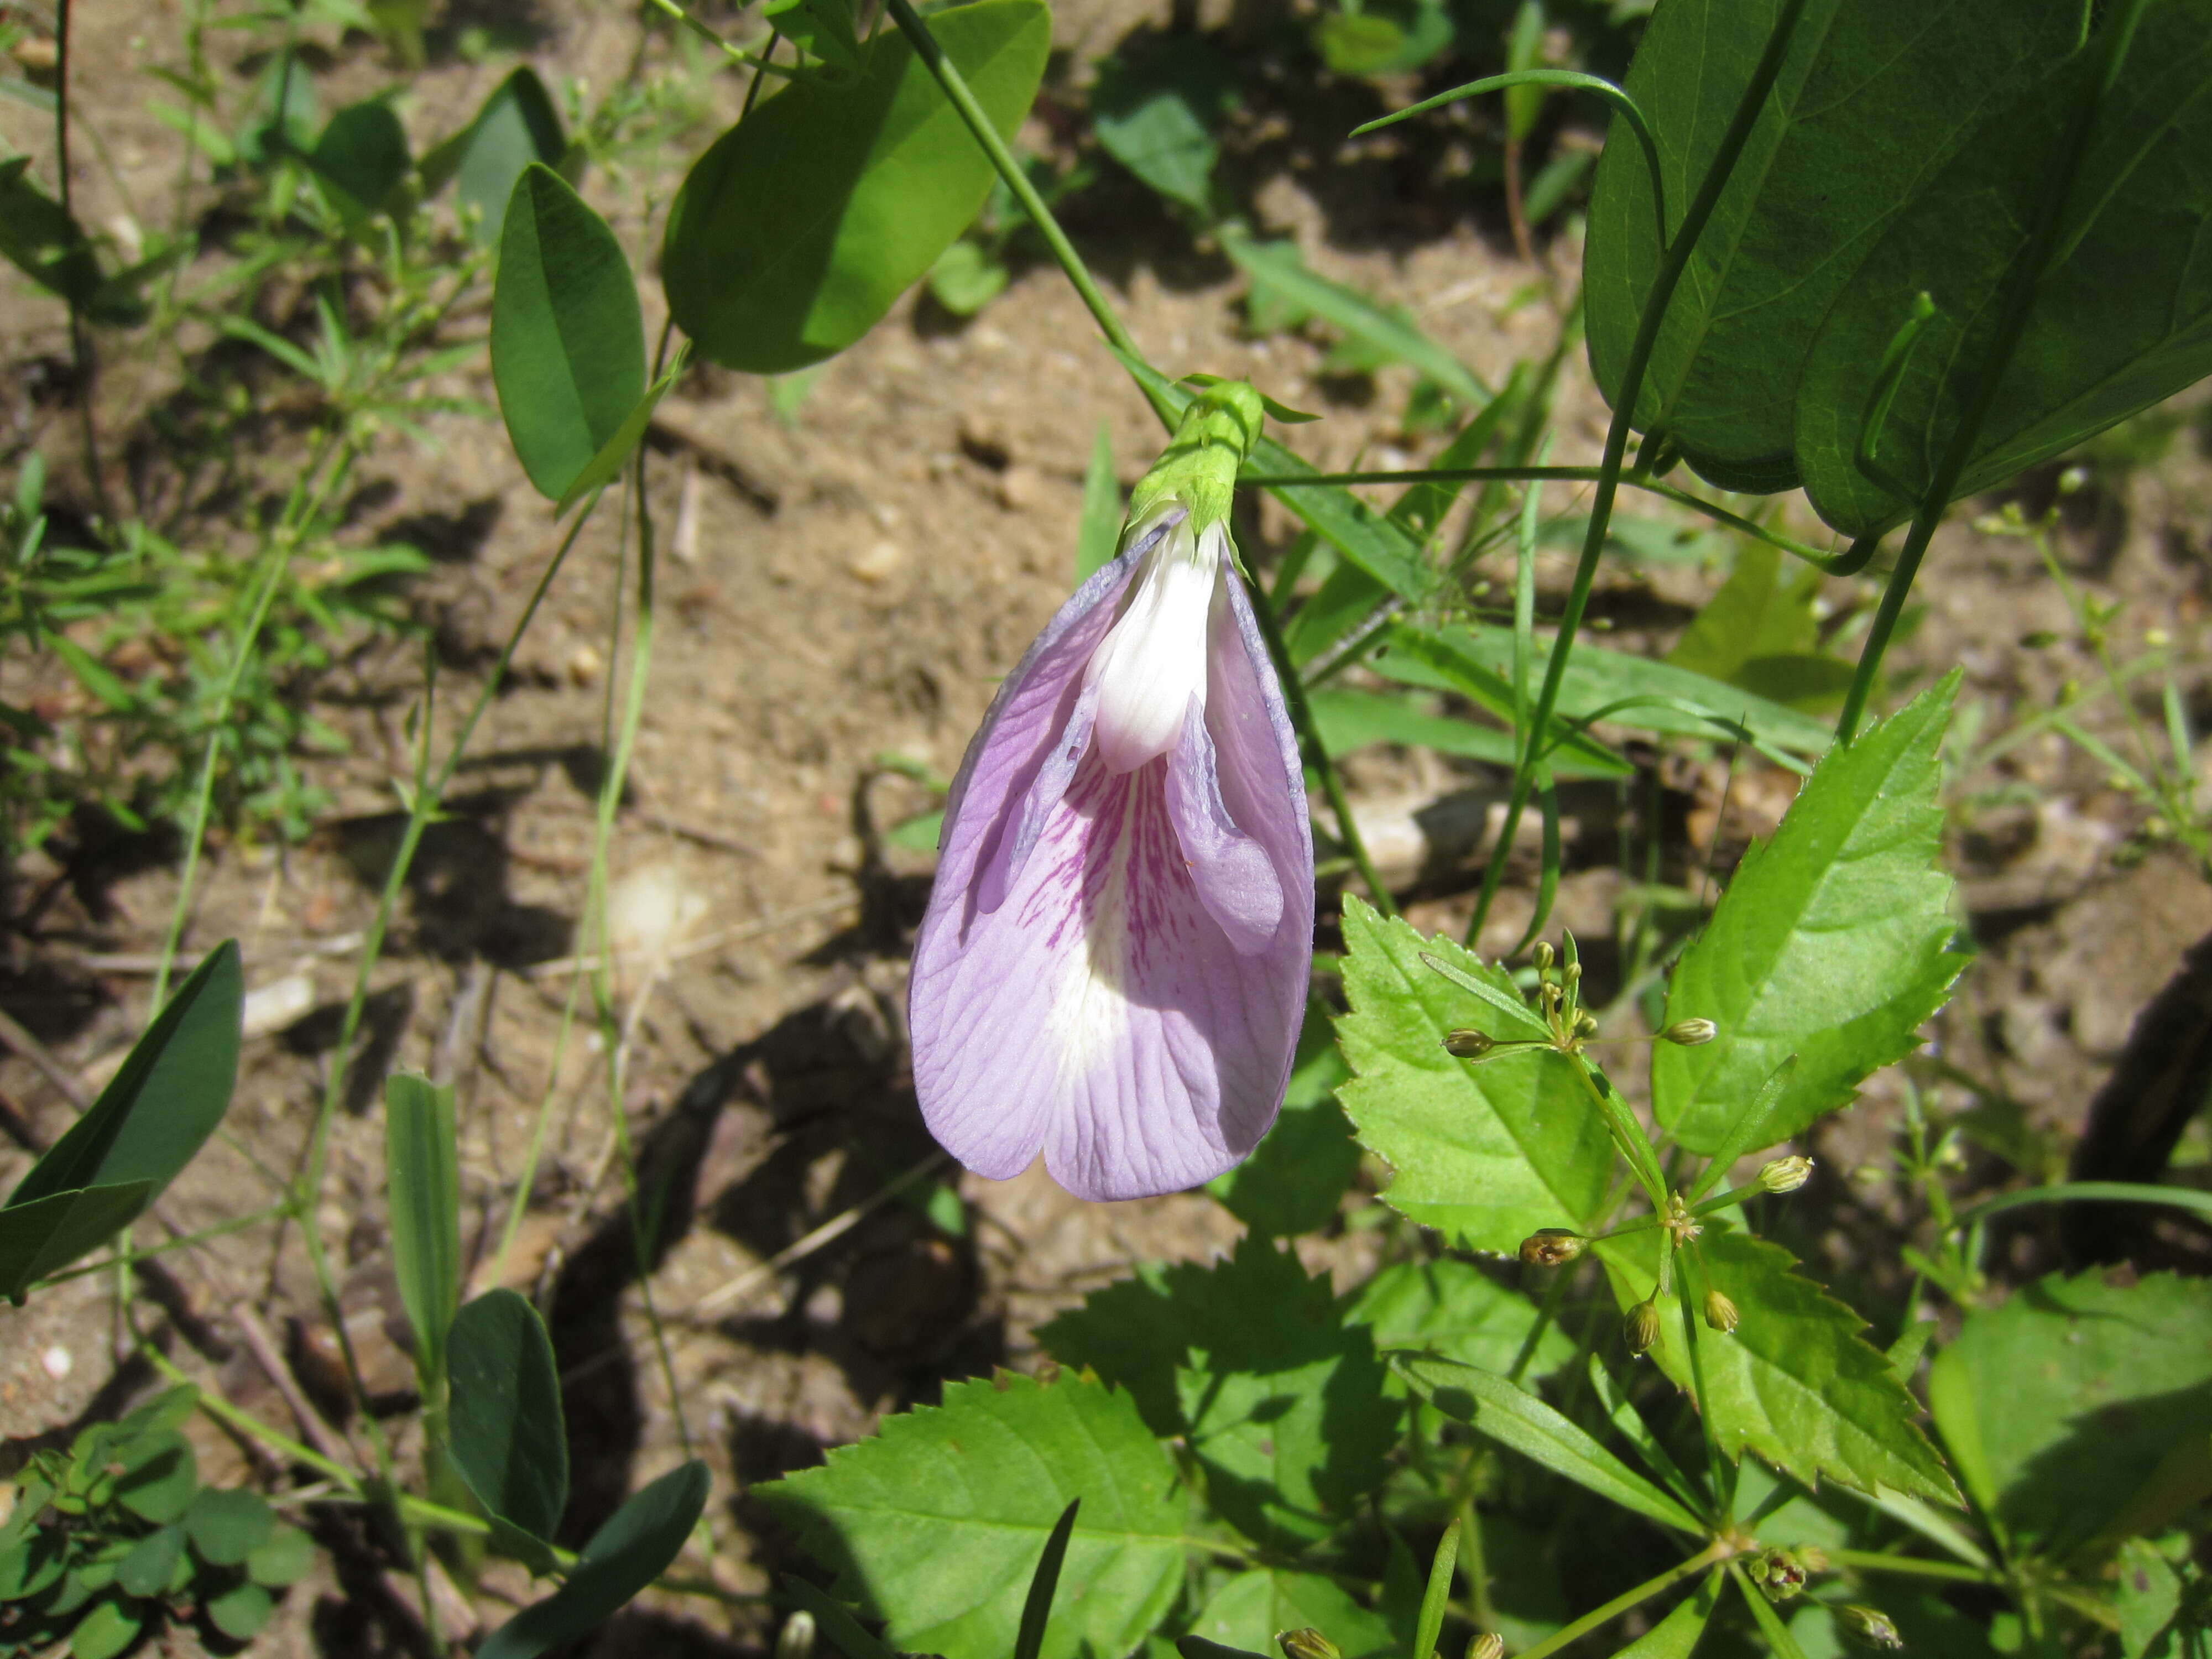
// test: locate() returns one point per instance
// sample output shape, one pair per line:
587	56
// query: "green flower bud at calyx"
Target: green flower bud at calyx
1641	1327
1552	1246
1199	467
1870	1625
1689	1033
1721	1313
1307	1644
1486	1644
1785	1174
1468	1044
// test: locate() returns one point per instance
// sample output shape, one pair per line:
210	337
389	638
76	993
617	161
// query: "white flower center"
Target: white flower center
1152	663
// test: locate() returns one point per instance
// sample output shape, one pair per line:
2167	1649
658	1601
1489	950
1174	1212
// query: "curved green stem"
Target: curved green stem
1672	265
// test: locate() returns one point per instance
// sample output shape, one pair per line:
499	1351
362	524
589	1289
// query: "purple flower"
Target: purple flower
1113	968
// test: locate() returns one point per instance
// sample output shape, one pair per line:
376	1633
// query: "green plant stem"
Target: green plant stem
1913	1566
2088	1192
979	122
755	62
80	352
130	1254
1672	264
1567	1634
2018	301
1689	1297
1831	563
1627	1134
1315	753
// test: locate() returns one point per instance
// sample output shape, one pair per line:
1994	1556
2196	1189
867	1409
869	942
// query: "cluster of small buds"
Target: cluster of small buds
1683	1227
1782	1573
1641	1325
1486	1644
1870	1625
1721	1313
1785	1174
1553	1247
1307	1643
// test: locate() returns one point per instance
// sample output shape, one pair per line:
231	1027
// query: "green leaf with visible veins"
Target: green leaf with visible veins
1871	100
1485	1153
1796	1383
938	1522
1279	1396
1246	1613
1451	1307
2080	1405
1831	943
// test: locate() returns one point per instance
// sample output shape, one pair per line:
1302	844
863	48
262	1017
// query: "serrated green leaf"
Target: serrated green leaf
1485	1154
1452	1308
1252	1361
567	341
226	1524
2122	314
866	181
509	1440
1870	99
2061	1406
1831	943
1247	1611
422	1167
1518	1420
635	1547
1796	1383
938	1520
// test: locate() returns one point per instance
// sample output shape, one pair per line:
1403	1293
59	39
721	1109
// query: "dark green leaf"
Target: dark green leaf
568	343
39	239
283	1559
821	27
1036	1608
509	1440
146	1571
517	125
1280	1399
49	1233
1485	1154
160	1475
929	1522
154	1117
1521	1422
422	1168
635	1547
240	1611
1796	1382
1831	943
361	155
865	182
2063	1406
622	442
226	1524
1870	102
2122	315
1245	1613
1453	1308
1156	111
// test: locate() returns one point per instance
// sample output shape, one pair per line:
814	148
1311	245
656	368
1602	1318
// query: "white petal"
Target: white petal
1153	663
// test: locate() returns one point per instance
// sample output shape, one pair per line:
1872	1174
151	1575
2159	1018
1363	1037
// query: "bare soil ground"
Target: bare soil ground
831	592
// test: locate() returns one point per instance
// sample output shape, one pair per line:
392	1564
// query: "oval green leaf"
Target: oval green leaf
227	1524
508	1439
517	125
567	340
799	227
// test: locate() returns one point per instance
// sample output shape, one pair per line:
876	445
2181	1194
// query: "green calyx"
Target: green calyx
1199	467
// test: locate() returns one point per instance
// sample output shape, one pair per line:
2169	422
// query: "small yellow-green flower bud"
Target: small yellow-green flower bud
796	1640
1870	1624
1585	1022
1689	1033
1468	1044
1486	1644
1307	1643
1786	1175
1552	1246
1543	956
1721	1313
1641	1325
